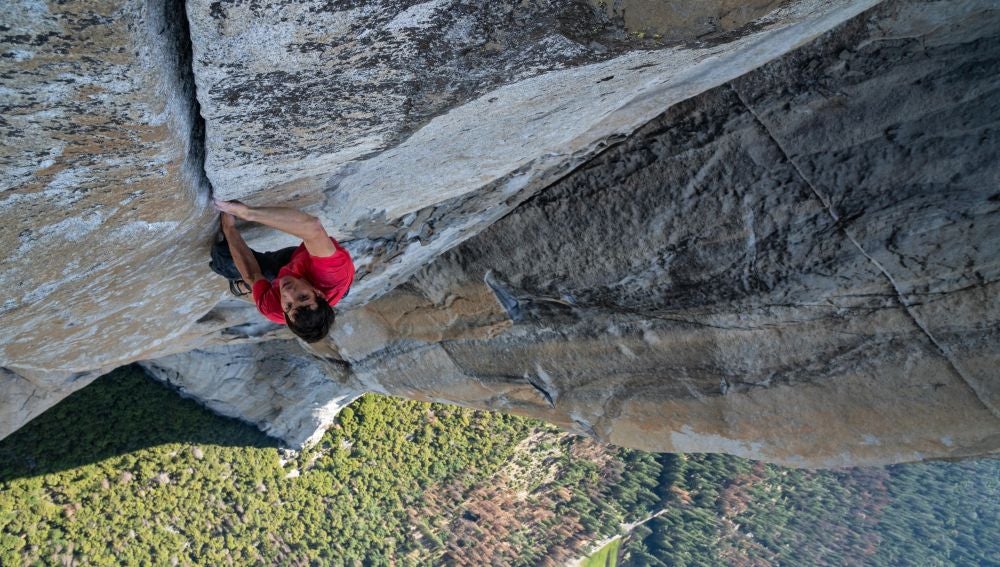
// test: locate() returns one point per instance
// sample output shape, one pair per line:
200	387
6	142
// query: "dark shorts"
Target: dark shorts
270	262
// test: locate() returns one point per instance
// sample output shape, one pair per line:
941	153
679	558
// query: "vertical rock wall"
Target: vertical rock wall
409	127
797	265
793	267
102	202
102	185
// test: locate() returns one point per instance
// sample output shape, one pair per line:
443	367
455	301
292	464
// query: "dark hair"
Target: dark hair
311	325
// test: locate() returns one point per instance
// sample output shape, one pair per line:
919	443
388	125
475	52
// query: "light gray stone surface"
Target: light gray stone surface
796	266
411	127
103	209
102	200
288	393
104	204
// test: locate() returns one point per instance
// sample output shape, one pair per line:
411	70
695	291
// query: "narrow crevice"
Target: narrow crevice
900	296
542	391
172	34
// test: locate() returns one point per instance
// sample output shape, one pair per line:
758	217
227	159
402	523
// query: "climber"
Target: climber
296	286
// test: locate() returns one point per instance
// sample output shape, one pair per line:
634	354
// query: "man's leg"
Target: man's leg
270	262
222	261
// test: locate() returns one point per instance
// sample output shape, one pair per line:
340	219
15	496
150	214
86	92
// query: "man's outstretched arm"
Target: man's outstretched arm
243	257
288	220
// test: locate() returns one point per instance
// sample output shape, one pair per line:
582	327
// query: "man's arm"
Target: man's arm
291	221
243	257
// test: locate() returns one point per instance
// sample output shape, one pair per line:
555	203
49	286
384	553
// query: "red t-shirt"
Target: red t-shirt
331	275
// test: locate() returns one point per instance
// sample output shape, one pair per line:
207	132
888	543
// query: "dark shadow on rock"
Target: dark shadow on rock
120	412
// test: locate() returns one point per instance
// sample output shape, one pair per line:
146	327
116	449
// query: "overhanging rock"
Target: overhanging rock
798	265
384	118
420	125
288	393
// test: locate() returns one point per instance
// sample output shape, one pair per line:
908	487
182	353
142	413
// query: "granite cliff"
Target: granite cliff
761	228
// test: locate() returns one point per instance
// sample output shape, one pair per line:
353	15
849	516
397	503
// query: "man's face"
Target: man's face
295	293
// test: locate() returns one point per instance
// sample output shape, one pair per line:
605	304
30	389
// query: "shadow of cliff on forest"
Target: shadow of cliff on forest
119	413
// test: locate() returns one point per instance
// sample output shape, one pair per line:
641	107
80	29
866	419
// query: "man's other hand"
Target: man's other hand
234	208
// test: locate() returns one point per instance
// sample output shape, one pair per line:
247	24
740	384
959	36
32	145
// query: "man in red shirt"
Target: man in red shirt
294	286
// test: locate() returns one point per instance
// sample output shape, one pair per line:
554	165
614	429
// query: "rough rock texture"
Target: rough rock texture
277	386
683	20
105	185
798	265
794	266
407	167
101	174
100	183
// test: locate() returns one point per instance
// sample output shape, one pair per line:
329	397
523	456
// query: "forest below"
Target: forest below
125	471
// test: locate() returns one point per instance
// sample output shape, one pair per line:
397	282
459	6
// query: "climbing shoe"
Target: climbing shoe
239	288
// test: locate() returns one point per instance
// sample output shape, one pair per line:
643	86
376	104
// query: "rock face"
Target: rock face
407	167
276	385
797	264
102	180
768	269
